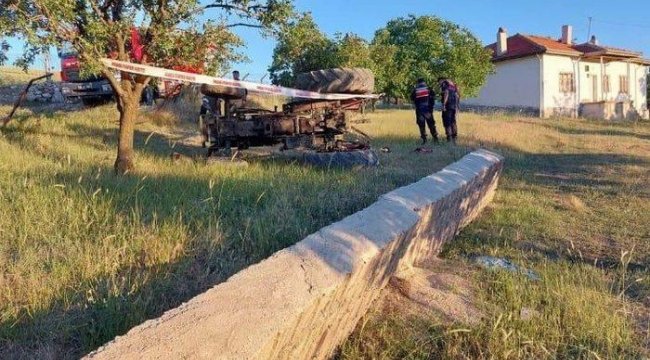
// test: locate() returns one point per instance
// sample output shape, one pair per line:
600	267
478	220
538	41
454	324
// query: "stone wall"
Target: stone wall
47	91
303	301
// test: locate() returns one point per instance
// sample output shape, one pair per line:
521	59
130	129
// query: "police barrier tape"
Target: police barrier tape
210	80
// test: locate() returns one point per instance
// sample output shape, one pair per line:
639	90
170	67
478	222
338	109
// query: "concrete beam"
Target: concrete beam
303	301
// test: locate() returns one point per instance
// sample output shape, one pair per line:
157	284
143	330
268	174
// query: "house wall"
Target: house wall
637	75
558	103
515	84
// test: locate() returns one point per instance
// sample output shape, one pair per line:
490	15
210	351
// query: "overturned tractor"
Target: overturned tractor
318	129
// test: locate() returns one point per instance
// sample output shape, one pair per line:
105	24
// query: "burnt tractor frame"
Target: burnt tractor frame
318	125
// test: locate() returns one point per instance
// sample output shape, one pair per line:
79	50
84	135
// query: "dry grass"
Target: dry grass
573	206
15	76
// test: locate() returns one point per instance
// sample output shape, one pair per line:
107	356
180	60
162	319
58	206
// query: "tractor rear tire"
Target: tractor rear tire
343	159
224	92
337	80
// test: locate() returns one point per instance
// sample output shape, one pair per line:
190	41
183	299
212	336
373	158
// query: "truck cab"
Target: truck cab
74	86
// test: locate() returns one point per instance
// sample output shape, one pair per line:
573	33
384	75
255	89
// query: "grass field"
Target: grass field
85	255
16	76
574	206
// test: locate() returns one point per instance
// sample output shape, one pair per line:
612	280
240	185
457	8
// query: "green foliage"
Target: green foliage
172	31
301	47
428	47
353	51
406	49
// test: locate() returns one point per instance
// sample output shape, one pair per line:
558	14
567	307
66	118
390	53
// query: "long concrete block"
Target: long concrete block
303	301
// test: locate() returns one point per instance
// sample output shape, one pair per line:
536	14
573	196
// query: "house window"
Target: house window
567	83
606	83
623	84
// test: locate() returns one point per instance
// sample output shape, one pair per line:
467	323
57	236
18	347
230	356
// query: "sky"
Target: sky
622	24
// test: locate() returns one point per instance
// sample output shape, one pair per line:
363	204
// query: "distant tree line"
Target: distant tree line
401	52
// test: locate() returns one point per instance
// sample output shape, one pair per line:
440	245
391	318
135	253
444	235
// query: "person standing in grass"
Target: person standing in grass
450	105
424	98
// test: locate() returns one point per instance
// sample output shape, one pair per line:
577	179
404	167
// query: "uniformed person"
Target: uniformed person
450	104
423	98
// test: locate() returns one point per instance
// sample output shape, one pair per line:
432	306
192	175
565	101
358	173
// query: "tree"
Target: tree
301	47
169	33
427	47
352	51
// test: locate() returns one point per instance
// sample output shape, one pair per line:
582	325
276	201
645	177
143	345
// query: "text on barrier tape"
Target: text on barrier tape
211	80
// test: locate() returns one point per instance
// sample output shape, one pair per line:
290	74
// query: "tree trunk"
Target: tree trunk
125	153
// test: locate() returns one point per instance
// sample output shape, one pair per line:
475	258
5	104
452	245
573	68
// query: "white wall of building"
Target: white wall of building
515	83
557	102
636	75
588	89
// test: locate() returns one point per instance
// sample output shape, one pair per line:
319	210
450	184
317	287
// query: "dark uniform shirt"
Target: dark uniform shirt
423	97
450	89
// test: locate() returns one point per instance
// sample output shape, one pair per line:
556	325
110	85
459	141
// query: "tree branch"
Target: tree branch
101	12
113	81
244	25
229	7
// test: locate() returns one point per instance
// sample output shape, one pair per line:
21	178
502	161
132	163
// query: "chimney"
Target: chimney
502	41
593	40
567	34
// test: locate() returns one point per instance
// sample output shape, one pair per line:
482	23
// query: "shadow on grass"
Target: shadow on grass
608	130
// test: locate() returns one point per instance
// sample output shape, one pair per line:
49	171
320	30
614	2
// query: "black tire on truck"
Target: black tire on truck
91	101
337	80
342	159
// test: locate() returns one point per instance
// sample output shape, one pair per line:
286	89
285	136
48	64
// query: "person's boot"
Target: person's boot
424	140
435	139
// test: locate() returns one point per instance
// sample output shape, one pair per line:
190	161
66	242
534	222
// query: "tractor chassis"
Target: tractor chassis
318	125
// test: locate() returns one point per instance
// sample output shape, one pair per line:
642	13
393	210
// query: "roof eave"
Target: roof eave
566	53
512	57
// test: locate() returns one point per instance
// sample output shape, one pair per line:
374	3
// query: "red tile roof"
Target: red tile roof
521	45
518	47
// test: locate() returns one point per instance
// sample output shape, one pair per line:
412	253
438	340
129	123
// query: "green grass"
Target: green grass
573	205
86	255
575	316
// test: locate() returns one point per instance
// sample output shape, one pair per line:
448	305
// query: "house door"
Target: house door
594	87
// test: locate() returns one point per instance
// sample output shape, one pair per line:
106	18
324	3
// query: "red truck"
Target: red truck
96	88
73	86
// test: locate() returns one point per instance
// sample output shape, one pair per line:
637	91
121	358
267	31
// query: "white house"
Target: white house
550	77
